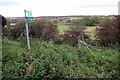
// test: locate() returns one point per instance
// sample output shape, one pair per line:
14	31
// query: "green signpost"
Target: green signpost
29	13
28	18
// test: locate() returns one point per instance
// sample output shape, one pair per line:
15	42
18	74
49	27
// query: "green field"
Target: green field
62	28
89	30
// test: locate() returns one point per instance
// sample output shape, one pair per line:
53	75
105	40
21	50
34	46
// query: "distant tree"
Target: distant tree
94	21
86	21
3	23
68	21
55	21
2	20
76	22
90	21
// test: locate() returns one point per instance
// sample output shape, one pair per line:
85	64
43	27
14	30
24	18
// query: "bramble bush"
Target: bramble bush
104	20
109	33
43	29
18	29
52	61
72	36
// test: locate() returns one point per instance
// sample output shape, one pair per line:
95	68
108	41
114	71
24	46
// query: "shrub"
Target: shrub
18	29
86	21
104	20
76	22
43	29
108	33
72	36
8	31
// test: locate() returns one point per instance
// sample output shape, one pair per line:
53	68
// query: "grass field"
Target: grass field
63	27
89	30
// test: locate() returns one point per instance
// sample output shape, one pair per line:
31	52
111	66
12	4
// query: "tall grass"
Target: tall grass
57	61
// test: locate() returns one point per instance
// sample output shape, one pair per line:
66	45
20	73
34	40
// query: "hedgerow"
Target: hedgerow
43	29
108	33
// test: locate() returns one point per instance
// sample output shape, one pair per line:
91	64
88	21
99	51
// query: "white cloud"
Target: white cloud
60	7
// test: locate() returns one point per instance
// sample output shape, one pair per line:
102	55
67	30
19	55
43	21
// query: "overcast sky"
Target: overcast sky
15	8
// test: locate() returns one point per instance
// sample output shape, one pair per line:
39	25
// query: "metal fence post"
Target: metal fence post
27	32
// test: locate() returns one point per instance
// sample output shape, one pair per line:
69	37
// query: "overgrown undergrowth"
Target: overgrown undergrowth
47	60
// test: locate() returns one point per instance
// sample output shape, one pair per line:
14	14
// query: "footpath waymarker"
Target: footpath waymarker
28	18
